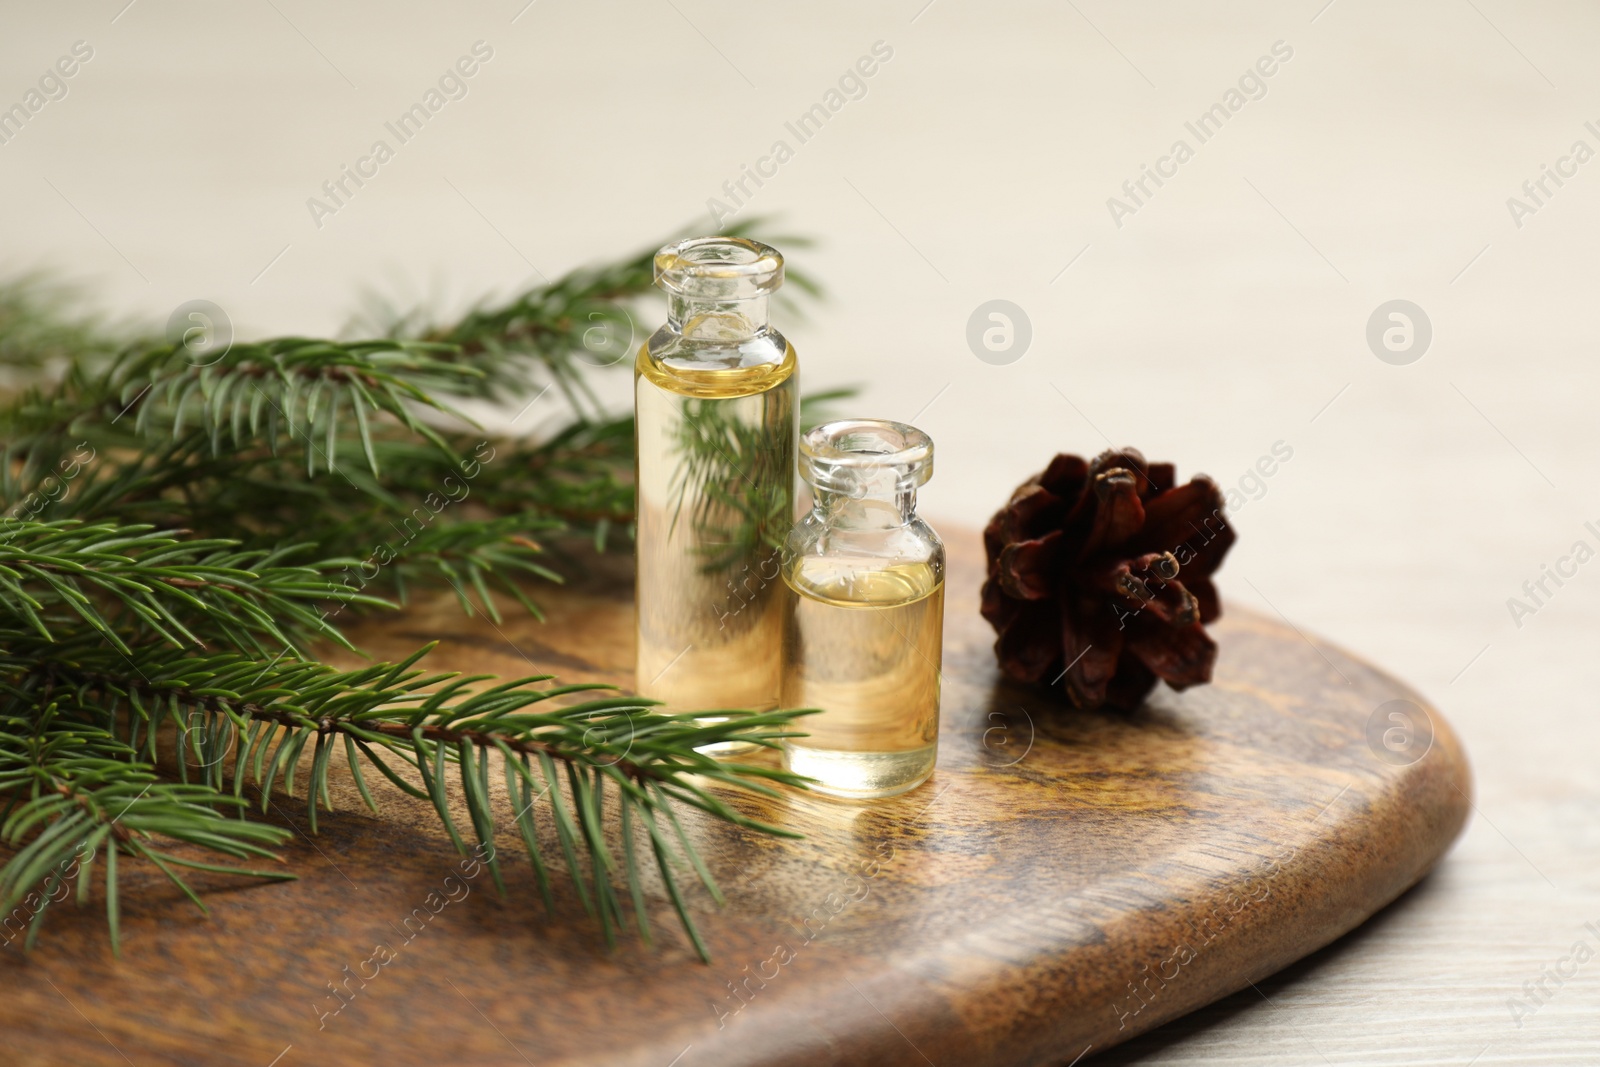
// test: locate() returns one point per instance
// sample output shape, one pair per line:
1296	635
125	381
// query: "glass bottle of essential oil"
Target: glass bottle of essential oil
865	626
715	404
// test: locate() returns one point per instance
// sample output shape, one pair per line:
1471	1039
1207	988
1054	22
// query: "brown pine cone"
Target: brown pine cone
1101	572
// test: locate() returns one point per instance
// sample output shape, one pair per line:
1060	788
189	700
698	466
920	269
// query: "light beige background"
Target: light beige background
1226	315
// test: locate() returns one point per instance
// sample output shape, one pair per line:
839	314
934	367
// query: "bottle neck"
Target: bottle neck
865	510
716	322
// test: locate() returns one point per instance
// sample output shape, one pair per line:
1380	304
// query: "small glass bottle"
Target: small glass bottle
716	427
865	625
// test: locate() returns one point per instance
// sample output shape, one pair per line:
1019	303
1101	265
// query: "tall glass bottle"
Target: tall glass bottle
716	407
865	629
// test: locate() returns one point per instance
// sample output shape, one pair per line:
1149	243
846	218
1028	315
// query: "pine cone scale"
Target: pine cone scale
1119	513
1093	647
1181	655
1026	566
1030	642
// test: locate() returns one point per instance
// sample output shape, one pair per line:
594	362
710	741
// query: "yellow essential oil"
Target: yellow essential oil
865	648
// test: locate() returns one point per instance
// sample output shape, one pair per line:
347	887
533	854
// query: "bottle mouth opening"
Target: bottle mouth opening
719	268
854	455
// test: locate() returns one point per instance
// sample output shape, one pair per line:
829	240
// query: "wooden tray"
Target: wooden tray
1063	882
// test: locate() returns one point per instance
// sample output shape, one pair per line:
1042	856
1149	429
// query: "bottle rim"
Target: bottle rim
719	268
843	455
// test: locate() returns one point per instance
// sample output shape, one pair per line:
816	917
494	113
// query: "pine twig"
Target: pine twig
390	714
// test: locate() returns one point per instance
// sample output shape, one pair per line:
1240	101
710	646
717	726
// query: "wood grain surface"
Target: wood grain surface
1063	882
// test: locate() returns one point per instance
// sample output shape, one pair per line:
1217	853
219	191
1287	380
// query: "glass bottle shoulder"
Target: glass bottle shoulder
879	566
753	365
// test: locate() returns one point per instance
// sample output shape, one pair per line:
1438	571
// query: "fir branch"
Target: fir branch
467	522
467	555
126	579
290	388
42	327
245	719
77	792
